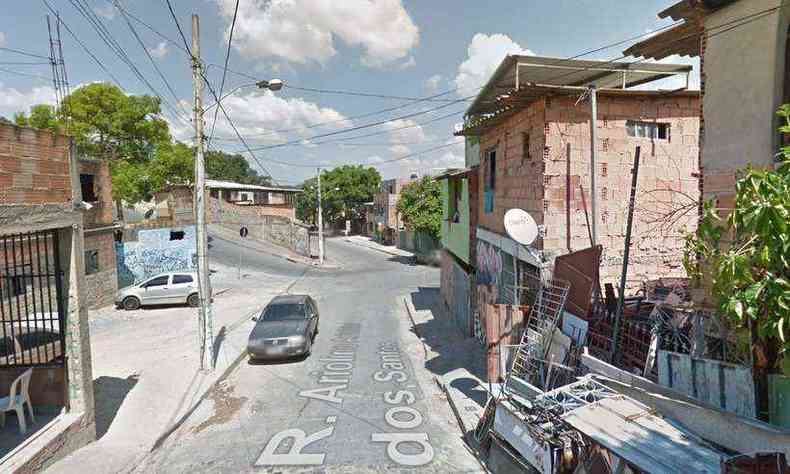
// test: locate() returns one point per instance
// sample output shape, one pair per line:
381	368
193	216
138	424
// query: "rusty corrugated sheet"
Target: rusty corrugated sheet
580	269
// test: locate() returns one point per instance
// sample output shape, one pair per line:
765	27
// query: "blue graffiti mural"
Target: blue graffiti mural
154	252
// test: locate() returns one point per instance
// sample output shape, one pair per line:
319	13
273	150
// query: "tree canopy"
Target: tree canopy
232	167
420	204
343	190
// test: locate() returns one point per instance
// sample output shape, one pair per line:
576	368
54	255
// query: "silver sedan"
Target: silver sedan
285	328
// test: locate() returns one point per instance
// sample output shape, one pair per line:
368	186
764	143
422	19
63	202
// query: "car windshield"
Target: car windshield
284	312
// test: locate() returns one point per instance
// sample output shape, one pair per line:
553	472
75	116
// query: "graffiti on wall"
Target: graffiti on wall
156	251
489	264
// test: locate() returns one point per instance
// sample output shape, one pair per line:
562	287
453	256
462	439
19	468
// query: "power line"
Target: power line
24	53
23	63
361	127
105	35
37	76
180	31
346	119
362	94
85	48
744	20
232	125
400	158
151	59
151	28
224	71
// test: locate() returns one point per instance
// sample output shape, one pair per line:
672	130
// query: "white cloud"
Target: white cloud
160	51
433	82
304	31
257	115
2	38
404	132
485	53
13	100
105	11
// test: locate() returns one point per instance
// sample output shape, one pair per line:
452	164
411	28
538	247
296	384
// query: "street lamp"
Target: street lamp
272	85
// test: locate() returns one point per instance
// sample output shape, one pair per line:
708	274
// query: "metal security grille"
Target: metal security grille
32	317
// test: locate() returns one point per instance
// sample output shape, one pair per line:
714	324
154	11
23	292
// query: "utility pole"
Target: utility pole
205	324
320	223
593	142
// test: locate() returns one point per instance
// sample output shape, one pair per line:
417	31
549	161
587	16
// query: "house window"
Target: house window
91	261
88	188
176	235
490	180
656	131
525	155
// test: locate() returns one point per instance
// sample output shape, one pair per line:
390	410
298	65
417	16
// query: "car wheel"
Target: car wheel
193	300
131	303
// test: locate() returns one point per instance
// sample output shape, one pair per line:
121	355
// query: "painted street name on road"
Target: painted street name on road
401	415
337	370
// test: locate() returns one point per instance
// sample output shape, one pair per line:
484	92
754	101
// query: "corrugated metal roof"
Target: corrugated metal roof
630	430
517	71
215	184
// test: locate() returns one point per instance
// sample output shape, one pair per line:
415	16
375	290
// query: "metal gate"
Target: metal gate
32	316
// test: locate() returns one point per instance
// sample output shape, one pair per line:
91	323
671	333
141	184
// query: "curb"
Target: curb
409	309
388	252
453	406
231	367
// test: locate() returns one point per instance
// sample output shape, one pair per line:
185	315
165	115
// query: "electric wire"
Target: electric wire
24	53
224	71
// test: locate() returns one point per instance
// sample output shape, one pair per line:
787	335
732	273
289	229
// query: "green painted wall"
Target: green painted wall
455	235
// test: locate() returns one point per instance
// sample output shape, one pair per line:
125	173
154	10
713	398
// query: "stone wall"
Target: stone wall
101	286
34	166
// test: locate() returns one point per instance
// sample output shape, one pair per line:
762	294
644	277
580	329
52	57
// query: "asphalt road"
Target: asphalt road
362	402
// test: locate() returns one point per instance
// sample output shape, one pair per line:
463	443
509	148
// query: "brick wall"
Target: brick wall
547	185
518	177
101	213
100	287
34	166
667	189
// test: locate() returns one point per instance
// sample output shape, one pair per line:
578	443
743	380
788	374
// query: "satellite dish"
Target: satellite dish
520	226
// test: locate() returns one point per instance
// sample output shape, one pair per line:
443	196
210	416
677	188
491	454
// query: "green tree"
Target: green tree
172	163
344	191
232	167
41	116
106	123
746	257
420	204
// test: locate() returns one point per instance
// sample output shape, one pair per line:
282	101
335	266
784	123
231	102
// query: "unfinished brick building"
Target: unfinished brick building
43	314
534	137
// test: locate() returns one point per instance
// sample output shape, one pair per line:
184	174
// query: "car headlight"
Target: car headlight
296	341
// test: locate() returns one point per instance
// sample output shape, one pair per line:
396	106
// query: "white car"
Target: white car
165	288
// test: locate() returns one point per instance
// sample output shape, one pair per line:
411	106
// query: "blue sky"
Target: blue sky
407	48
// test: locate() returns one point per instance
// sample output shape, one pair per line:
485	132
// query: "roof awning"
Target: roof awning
452	173
511	102
518	71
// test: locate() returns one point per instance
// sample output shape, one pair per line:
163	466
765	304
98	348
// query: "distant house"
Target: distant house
388	221
268	200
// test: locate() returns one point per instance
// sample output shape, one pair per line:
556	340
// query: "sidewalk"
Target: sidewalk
458	362
146	370
269	248
363	241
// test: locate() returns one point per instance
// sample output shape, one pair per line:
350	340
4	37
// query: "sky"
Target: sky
404	49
